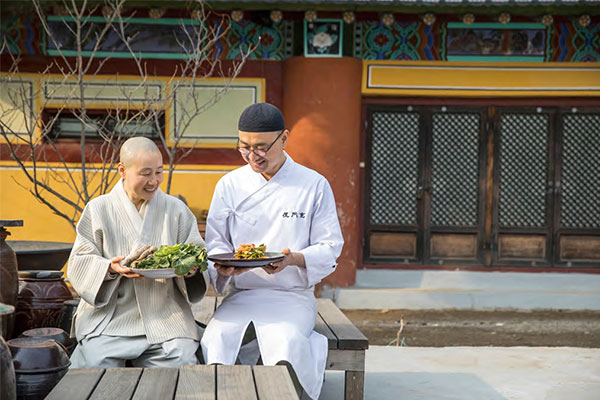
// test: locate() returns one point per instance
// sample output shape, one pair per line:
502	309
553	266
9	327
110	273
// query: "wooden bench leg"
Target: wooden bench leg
354	385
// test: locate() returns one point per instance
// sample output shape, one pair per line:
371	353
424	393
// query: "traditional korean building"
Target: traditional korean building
455	133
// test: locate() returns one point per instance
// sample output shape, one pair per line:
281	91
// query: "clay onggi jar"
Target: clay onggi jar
41	297
39	365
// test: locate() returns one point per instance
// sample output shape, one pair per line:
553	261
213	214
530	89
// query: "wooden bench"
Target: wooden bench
347	344
198	382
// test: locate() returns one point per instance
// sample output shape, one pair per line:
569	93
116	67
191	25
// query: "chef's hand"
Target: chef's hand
116	268
230	271
289	259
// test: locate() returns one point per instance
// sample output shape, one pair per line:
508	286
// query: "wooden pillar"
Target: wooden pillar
321	106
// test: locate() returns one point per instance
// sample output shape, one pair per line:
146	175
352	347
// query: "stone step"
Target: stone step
396	289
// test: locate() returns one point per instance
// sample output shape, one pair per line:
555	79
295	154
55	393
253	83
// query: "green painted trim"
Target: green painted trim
341	38
443	49
72	53
149	21
43	42
497	25
355	26
548	51
497	58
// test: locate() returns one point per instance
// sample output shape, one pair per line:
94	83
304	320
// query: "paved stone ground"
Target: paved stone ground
475	373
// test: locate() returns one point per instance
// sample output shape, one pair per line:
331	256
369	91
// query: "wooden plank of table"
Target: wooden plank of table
348	335
322	328
196	382
235	382
345	360
204	310
274	383
76	384
117	383
156	383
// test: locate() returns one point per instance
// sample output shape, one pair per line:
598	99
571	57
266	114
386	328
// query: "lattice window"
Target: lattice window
455	169
523	164
581	171
394	168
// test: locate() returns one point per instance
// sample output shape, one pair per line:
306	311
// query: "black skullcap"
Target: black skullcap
261	117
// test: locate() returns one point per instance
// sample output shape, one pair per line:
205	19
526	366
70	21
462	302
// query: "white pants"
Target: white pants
283	322
106	351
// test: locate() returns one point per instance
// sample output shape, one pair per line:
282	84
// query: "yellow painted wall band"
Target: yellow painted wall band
393	78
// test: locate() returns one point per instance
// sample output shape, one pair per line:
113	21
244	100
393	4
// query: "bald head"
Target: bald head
135	146
141	169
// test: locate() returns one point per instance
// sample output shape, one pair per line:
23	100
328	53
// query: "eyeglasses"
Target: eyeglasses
245	151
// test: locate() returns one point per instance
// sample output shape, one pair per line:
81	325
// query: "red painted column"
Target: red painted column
321	106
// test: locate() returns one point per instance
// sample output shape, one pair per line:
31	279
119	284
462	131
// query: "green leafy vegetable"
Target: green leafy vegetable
181	257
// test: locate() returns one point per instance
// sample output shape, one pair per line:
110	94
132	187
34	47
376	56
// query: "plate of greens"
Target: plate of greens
167	261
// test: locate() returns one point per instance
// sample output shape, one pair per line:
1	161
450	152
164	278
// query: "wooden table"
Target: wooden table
206	382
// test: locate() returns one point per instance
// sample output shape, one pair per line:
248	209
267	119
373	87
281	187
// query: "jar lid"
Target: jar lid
6	309
37	274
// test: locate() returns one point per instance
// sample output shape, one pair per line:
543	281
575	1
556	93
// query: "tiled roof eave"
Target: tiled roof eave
436	5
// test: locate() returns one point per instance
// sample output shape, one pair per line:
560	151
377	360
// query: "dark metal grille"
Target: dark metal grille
394	168
523	163
581	171
455	169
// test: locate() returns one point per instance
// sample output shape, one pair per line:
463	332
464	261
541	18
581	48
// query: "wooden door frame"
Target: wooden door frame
366	185
479	229
424	227
424	180
549	198
559	230
454	101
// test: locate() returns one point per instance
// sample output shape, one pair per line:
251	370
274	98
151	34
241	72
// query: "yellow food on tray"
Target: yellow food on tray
250	252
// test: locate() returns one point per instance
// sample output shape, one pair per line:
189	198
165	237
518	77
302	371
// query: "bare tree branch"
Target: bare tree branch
78	42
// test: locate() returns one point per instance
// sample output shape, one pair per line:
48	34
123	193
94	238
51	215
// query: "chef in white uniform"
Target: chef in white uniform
290	208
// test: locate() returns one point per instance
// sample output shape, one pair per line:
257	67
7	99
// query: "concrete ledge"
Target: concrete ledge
394	289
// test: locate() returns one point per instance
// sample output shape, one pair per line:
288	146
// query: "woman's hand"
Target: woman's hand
116	268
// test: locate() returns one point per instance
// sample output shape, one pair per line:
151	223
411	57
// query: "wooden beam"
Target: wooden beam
274	383
349	337
197	382
77	384
157	384
322	328
354	385
117	384
345	360
235	382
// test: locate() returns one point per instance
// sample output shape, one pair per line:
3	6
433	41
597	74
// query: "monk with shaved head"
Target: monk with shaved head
123	316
